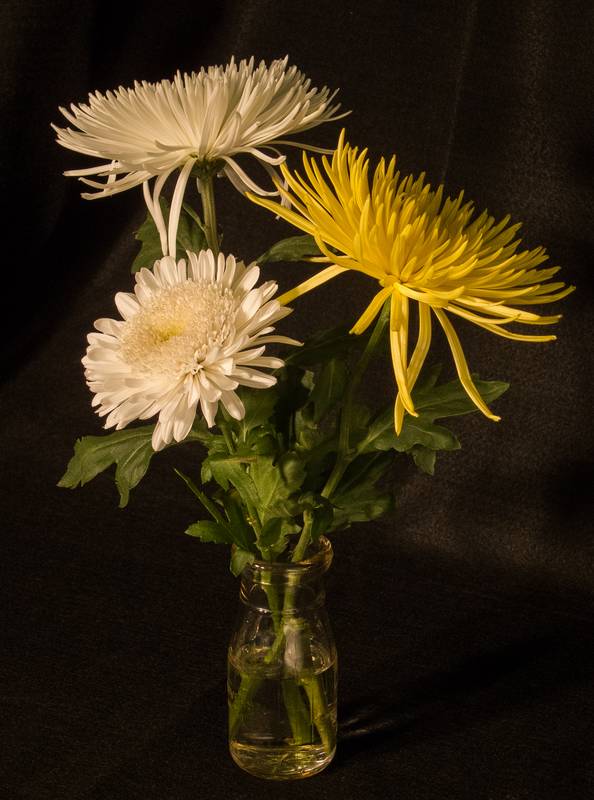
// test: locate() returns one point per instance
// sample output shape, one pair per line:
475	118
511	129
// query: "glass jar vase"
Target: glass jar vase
282	670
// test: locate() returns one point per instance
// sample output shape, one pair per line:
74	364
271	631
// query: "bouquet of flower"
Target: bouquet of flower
289	450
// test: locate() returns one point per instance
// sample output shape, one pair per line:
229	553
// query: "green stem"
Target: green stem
296	711
317	703
227	437
209	212
304	539
344	455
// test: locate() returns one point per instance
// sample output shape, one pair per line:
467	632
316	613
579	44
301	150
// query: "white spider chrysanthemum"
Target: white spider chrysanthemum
201	120
190	334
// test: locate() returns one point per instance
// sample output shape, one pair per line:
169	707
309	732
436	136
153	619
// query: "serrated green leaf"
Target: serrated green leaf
270	487
431	402
150	245
424	458
259	408
239	561
130	450
380	433
361	504
295	248
450	399
231	472
415	431
209	531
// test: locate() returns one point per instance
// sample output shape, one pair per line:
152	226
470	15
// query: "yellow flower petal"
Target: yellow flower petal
462	366
420	247
417	360
371	311
317	280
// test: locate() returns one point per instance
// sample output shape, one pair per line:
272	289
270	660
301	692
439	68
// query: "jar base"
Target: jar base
287	763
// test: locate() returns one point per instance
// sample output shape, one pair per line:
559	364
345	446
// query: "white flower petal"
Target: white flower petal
126	304
189	337
212	115
233	405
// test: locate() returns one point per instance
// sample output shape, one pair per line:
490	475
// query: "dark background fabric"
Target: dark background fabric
464	621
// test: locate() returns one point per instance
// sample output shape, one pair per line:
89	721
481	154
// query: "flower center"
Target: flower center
174	331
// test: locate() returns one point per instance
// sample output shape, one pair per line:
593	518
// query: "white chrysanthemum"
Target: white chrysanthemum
189	336
200	118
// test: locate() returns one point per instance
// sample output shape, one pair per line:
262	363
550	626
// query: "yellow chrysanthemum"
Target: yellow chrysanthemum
419	247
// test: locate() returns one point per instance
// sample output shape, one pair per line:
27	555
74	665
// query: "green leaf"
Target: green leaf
431	402
368	468
450	399
131	450
231	471
271	532
205	471
239	561
190	232
259	408
329	388
307	431
424	458
292	470
361	417
209	531
420	431
190	236
295	248
150	245
270	486
272	540
380	433
241	532
361	504
359	497
415	431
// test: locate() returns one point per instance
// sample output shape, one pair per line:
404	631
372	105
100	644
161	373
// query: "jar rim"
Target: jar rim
318	560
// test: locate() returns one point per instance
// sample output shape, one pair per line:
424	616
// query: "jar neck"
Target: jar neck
287	586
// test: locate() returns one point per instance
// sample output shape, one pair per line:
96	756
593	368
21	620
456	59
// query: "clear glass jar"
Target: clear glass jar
282	670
